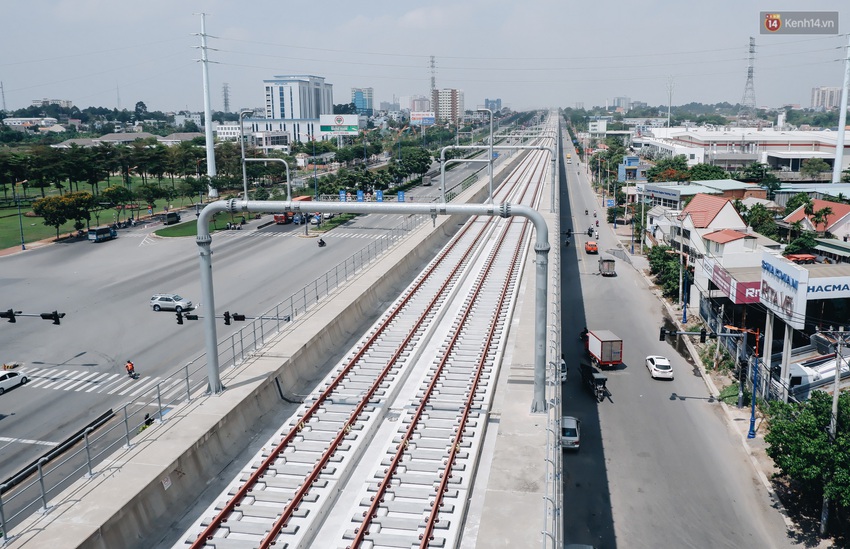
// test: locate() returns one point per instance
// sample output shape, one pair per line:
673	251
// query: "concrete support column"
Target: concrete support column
768	349
786	359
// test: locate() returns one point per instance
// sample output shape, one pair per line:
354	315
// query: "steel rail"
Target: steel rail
221	517
208	533
378	498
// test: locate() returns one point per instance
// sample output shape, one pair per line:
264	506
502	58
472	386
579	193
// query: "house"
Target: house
837	223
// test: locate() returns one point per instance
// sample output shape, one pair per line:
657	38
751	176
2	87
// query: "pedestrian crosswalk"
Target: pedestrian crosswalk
270	234
84	381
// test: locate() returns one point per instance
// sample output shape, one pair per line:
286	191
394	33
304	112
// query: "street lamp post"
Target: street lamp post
20	217
752	431
489	160
242	145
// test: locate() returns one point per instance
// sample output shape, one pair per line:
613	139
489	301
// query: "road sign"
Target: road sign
609	203
342	195
400	196
359	196
379	196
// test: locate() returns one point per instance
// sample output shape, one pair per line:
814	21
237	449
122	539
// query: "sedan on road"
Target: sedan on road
170	302
10	380
659	367
570	433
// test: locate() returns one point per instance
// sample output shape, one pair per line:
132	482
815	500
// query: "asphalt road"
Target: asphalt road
658	466
76	369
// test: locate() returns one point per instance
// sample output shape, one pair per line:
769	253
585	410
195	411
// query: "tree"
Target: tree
822	216
813	167
52	210
664	265
140	112
799	443
799	199
761	220
707	172
669	169
345	108
805	243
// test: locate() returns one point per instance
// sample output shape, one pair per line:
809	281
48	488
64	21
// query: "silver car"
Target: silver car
570	433
170	302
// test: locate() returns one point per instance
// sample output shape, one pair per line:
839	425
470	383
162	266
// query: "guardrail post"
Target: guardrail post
88	452
159	399
254	333
4	537
127	426
233	347
188	386
241	346
277	315
41	463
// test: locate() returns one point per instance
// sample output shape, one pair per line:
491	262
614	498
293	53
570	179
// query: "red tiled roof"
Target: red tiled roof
839	211
725	235
703	208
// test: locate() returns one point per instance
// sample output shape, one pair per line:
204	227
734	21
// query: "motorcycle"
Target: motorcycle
322	243
597	222
585	212
594	214
596	235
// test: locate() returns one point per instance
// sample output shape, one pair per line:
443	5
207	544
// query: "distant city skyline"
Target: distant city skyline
535	54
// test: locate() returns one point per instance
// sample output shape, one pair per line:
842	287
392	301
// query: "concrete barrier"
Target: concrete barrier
138	492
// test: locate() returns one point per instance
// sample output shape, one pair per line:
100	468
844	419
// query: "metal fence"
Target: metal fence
31	489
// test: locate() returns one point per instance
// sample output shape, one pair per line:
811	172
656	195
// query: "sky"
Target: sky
529	53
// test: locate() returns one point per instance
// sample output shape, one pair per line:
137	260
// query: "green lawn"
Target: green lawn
34	228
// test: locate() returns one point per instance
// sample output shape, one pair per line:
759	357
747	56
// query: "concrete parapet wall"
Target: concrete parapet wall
139	492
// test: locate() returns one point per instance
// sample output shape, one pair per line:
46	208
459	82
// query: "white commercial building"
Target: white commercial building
297	97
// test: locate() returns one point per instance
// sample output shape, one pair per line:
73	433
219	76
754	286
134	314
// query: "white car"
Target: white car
10	380
659	367
570	433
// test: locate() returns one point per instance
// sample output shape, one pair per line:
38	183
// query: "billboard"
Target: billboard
339	124
422	118
784	286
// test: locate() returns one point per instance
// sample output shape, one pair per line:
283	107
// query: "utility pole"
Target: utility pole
717	347
210	145
842	118
833	419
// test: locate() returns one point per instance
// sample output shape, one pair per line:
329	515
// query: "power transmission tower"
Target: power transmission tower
433	76
3	94
748	103
225	91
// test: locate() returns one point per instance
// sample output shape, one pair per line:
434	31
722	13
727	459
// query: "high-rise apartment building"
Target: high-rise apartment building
298	97
362	99
447	104
826	98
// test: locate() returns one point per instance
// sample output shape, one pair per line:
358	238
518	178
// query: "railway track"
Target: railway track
383	453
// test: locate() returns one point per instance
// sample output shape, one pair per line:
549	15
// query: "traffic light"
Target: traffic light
10	315
702	335
226	316
190	317
179	318
662	335
237	316
54	316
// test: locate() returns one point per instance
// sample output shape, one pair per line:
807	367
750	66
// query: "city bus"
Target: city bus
100	234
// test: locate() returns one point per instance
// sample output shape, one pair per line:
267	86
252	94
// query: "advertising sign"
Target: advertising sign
784	286
422	118
835	287
339	124
342	195
359	196
400	196
379	196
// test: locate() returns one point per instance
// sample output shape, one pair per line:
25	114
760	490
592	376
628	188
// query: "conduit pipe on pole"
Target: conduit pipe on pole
541	249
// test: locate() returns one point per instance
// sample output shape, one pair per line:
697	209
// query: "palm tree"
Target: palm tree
796	227
822	216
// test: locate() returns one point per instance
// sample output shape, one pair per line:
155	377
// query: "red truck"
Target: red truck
604	347
284	218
